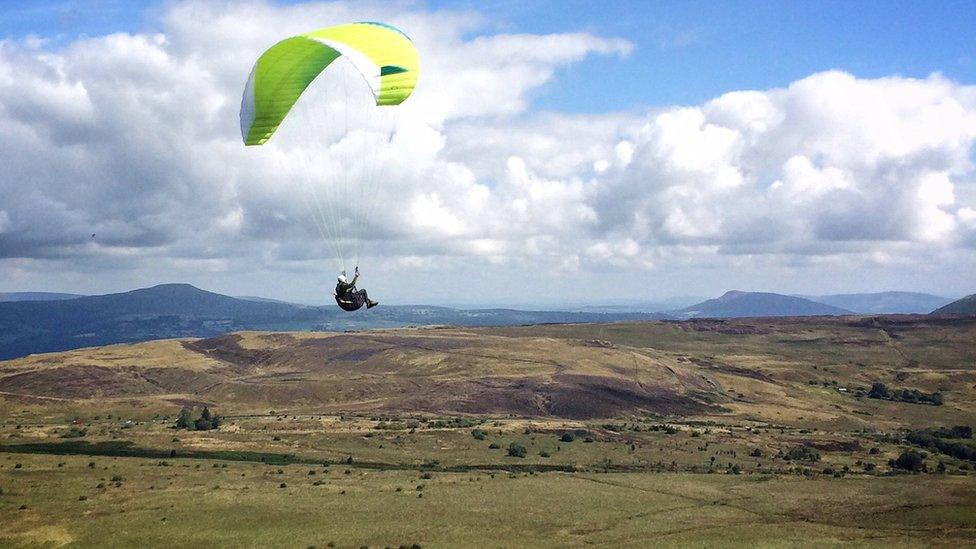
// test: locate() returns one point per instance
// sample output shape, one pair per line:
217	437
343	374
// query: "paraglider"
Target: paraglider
350	299
388	63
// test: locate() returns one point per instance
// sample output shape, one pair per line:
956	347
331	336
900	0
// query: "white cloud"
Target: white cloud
830	159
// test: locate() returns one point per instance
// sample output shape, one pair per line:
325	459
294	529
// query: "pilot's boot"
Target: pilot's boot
370	303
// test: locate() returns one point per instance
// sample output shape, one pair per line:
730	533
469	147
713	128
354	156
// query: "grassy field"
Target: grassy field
703	433
341	480
244	504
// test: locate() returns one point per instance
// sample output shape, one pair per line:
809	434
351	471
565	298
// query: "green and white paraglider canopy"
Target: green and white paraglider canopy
385	57
389	65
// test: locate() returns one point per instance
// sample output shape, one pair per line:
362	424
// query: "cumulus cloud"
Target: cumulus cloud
135	137
828	161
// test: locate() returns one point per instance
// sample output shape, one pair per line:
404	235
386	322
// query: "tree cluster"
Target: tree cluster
205	422
914	396
802	453
936	440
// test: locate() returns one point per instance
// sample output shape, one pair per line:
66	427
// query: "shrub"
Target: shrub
478	434
567	437
516	450
910	461
453	423
75	432
544	454
493	446
756	453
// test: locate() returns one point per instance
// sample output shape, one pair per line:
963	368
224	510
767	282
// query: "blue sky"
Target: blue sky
685	52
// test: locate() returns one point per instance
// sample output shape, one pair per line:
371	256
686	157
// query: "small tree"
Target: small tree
567	437
184	421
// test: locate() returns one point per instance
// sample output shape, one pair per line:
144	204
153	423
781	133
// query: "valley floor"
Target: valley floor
249	505
301	481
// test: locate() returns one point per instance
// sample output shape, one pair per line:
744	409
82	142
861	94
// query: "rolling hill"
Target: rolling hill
965	307
798	371
736	304
883	302
169	310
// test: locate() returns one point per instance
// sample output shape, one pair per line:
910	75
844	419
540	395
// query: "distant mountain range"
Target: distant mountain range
34	322
883	302
36	296
182	310
861	303
757	304
965	306
641	306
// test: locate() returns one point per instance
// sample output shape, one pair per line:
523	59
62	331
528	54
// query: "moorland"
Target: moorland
796	431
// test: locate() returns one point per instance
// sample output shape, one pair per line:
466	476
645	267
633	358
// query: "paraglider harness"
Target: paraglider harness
350	305
347	297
